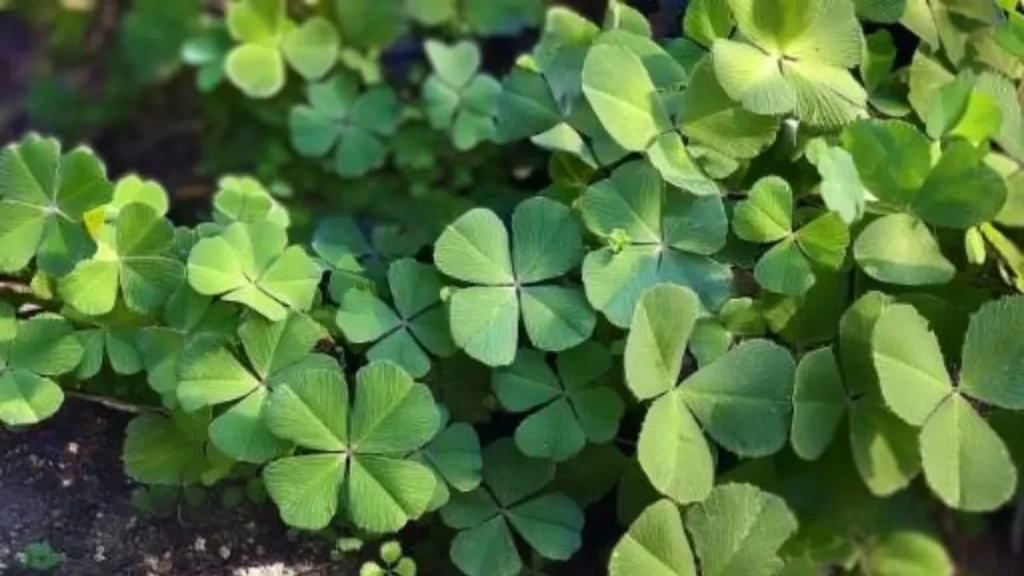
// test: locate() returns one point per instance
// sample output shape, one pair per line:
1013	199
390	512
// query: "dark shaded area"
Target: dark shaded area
62	483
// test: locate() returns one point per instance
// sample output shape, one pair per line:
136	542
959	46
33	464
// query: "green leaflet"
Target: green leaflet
32	351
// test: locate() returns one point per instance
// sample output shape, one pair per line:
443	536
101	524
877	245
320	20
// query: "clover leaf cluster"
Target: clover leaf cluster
726	294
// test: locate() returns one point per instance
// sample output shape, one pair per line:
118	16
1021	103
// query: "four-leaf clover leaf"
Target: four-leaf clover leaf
269	39
351	123
574	407
550	523
30	352
209	374
458	97
794	58
132	259
417	322
43	198
509	281
767	216
252	264
655	235
359	449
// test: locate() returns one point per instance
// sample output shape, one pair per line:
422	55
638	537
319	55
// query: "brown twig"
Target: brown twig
111	403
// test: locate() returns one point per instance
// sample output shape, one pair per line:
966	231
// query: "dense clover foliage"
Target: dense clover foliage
771	281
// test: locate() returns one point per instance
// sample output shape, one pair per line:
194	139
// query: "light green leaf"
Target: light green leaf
546	240
743	398
899	249
556	318
707	20
312	411
475	248
256	69
241	431
662	323
383	494
617	86
655	545
669	155
841	187
885	448
305	488
911	370
825	240
673	452
961	191
752	78
738	531
992	355
485	323
893	158
785	270
965	462
909	553
311	48
767	214
44	344
26	398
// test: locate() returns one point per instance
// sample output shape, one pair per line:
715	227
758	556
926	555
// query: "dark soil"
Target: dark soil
61	483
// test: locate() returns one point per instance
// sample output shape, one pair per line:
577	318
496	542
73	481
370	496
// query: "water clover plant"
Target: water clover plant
705	295
44	196
458	97
655	233
359	449
513	279
268	39
571	407
352	124
741	399
132	261
252	264
510	501
31	352
209	374
965	462
767	216
418	322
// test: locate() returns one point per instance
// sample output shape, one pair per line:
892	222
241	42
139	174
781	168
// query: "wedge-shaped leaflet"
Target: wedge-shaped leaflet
458	97
569	409
455	457
416	324
133	259
31	351
244	199
109	339
819	403
965	462
509	281
358	449
767	216
510	502
268	38
623	97
739	530
354	125
900	249
655	235
209	374
44	197
168	451
252	264
794	58
655	545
